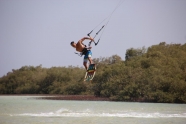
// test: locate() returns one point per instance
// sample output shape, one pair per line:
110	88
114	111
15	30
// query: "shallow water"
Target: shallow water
28	110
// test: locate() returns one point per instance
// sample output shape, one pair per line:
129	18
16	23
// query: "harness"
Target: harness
84	52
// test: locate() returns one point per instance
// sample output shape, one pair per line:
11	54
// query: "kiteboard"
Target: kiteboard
90	72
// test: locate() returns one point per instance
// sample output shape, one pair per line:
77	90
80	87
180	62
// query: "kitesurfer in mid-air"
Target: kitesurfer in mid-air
80	47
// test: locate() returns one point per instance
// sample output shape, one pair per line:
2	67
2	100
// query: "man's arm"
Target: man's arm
86	38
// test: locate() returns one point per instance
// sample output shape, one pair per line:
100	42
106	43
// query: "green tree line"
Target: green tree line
153	74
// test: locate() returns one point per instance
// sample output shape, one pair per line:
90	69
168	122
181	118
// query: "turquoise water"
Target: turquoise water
28	110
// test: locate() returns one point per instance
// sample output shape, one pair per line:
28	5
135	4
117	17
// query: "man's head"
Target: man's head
73	44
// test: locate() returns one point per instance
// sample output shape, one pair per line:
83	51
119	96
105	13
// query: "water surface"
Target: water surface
28	110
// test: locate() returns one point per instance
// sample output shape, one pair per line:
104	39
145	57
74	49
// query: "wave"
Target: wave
88	113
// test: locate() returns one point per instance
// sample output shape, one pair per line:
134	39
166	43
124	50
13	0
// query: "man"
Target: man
80	47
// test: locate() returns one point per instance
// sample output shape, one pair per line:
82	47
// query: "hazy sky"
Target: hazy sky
34	32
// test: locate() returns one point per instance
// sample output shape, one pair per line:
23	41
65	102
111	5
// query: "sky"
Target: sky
39	32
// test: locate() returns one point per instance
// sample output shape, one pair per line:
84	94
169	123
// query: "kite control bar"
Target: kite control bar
95	36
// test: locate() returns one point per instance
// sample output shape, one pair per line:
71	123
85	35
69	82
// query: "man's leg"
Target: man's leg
85	64
87	58
90	60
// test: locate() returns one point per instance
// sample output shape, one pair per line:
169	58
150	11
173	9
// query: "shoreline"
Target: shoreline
62	97
78	98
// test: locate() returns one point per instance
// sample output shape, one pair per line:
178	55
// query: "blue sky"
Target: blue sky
34	32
